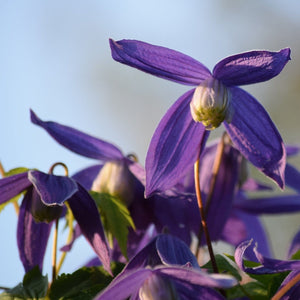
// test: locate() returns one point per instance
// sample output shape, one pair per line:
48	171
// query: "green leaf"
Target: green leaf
251	290
83	284
10	173
225	266
296	256
34	286
115	218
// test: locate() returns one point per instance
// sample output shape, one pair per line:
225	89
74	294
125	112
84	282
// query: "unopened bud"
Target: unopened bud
211	103
116	180
158	288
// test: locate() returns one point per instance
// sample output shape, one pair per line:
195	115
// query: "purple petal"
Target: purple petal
253	185
76	234
292	177
241	227
292	150
53	190
87	216
174	148
32	237
268	265
195	276
295	245
125	285
78	141
294	292
173	251
255	135
251	67
159	61
272	205
13	185
86	176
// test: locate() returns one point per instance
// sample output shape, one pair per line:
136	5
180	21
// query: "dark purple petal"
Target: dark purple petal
86	176
53	190
32	237
173	251
159	61
195	276
292	177
87	216
125	286
272	205
241	227
253	185
13	185
268	265
79	142
174	148
295	245
221	201
292	150
255	135
251	67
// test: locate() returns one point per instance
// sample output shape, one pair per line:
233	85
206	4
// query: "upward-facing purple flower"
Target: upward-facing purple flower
175	144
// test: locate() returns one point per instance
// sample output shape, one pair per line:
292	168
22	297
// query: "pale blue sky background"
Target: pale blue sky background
55	59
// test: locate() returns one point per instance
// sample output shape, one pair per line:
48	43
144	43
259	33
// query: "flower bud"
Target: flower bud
41	212
115	179
158	288
211	103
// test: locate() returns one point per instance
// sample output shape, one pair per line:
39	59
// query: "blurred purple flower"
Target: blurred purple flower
175	144
45	193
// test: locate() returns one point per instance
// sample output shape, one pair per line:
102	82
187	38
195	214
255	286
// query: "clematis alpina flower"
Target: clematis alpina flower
45	193
165	269
217	98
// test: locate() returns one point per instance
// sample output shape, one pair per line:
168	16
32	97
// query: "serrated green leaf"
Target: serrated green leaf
115	217
34	286
83	284
224	266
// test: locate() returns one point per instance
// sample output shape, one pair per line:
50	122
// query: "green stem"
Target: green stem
54	253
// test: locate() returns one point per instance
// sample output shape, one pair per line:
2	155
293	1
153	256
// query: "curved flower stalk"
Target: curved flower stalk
165	269
174	147
45	192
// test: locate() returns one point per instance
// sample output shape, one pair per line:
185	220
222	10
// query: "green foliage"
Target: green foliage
83	284
225	267
34	286
115	218
296	256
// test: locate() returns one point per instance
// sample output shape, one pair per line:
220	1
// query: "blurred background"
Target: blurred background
55	59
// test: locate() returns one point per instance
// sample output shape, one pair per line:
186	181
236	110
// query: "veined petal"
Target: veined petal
251	67
32	237
242	227
272	205
87	216
86	176
268	265
159	61
255	135
53	190
79	142
175	146
13	185
125	286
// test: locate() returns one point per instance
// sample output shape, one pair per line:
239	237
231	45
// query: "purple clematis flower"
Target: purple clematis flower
45	195
175	145
165	269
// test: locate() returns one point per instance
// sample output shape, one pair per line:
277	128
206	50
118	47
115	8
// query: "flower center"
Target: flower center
211	103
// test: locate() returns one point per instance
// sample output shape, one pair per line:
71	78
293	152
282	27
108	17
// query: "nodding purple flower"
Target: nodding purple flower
215	99
44	198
